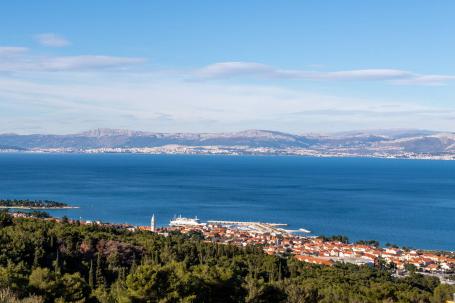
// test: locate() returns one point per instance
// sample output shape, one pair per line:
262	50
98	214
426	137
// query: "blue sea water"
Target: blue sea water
405	202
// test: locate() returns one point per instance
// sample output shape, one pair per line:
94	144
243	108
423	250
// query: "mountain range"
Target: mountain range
393	142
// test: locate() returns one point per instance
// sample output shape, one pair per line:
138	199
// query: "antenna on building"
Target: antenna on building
153	224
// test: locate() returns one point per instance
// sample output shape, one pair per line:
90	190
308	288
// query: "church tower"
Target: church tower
153	223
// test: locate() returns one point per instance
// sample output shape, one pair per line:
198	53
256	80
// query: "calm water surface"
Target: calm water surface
406	202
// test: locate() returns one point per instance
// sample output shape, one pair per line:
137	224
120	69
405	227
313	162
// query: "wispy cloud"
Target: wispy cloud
241	69
85	62
377	112
52	40
18	59
6	51
233	69
22	59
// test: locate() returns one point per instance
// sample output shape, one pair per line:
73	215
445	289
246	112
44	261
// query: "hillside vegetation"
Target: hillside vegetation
43	261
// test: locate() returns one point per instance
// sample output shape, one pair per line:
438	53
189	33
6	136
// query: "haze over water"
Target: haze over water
405	202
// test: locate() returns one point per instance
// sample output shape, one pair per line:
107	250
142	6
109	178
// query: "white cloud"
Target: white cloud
19	60
239	69
227	69
426	79
6	51
366	74
52	40
85	62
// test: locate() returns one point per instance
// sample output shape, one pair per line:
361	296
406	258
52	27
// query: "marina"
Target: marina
259	227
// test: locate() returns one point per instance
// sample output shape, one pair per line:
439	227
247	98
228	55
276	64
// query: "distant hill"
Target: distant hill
359	142
12	148
126	138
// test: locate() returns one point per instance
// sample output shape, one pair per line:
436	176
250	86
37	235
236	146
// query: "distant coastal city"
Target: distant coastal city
276	240
244	150
394	144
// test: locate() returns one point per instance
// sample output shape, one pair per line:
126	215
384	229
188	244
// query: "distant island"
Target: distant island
398	144
33	204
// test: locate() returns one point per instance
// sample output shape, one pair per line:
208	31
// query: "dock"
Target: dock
260	227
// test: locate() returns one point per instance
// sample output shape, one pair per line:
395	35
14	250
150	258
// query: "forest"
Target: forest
44	261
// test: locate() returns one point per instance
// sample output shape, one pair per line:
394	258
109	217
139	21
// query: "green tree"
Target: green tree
91	275
5	218
269	293
148	283
99	274
43	282
74	288
443	293
14	277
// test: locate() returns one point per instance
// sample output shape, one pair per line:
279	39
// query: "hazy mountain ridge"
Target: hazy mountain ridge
416	141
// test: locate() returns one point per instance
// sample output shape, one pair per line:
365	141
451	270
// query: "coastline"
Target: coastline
450	157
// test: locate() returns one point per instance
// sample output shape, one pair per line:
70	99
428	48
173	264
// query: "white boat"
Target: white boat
305	230
182	221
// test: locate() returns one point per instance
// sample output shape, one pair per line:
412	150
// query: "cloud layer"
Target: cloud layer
69	102
242	69
62	94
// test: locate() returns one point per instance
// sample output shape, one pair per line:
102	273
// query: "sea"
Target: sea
404	202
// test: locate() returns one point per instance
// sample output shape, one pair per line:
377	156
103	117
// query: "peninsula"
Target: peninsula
34	204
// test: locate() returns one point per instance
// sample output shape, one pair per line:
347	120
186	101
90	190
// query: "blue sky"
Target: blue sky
200	66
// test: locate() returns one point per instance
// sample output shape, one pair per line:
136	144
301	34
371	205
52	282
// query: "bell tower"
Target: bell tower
153	224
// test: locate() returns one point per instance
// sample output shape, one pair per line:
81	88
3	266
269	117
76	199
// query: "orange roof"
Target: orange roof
314	260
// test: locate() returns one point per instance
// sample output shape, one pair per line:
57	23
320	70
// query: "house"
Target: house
315	260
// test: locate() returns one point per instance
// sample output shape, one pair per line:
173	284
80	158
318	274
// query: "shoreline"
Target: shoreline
322	155
271	227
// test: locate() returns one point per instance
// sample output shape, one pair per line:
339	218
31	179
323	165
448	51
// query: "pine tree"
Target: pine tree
57	263
36	258
51	244
91	275
100	281
133	264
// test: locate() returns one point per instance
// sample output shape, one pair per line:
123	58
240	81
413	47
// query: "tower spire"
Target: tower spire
153	224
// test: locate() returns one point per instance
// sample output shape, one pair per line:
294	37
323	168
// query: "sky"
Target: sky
212	66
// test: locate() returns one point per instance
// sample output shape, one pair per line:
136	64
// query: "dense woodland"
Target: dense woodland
42	261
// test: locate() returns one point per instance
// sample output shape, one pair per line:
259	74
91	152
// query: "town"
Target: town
276	240
312	249
298	244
